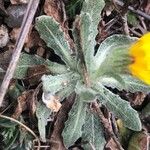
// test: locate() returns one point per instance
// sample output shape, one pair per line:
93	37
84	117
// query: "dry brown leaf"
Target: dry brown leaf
111	145
56	140
22	105
35	73
33	39
55	8
51	101
40	51
26	101
15	32
54	104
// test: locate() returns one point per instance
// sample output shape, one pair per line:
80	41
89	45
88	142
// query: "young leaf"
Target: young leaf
113	53
120	108
87	94
84	41
55	68
57	83
92	132
42	113
73	126
94	8
53	35
85	31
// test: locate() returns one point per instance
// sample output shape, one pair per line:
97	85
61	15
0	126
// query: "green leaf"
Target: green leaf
94	8
25	62
112	55
120	108
54	37
42	113
129	83
55	68
67	90
85	31
73	126
57	83
84	41
86	94
92	132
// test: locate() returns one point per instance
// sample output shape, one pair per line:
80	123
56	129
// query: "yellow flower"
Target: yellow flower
140	52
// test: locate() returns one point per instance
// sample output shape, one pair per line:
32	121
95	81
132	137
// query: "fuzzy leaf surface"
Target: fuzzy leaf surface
53	35
84	41
76	119
94	8
26	61
120	108
42	113
92	132
87	30
112	56
130	84
87	94
57	83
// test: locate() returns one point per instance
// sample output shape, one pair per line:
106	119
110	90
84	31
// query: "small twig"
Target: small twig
106	125
139	12
125	24
27	128
27	21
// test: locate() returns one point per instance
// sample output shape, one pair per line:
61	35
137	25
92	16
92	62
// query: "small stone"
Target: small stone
15	15
4	37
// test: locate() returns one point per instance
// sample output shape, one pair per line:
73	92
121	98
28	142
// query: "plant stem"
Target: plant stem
27	21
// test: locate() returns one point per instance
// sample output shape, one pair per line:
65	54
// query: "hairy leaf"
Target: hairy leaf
85	31
55	68
112	56
87	94
129	84
84	41
94	8
26	61
57	83
120	108
42	113
92	132
73	126
53	35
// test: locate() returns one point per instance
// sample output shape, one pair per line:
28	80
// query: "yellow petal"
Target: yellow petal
140	52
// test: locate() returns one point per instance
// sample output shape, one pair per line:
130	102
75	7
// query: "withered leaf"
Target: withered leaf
25	101
35	73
